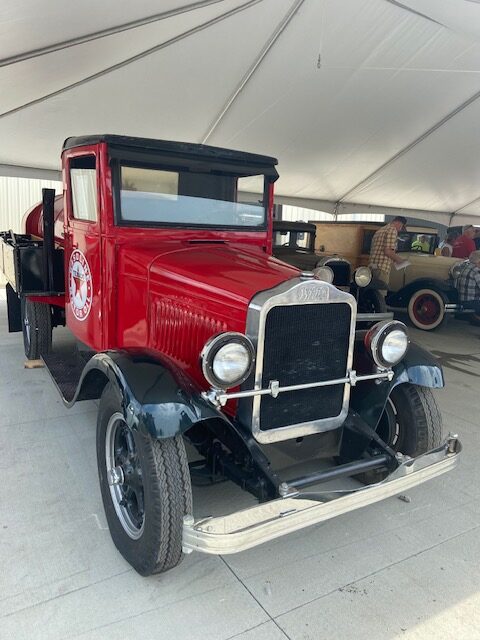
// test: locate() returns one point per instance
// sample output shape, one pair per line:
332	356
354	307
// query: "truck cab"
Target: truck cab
158	259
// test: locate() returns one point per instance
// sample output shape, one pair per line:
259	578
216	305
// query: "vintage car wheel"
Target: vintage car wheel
36	328
371	301
426	309
411	424
146	489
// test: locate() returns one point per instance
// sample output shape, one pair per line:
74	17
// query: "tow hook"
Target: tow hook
452	442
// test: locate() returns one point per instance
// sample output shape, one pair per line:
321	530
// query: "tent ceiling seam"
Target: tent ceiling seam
400	5
96	35
454	213
132	59
412	144
256	64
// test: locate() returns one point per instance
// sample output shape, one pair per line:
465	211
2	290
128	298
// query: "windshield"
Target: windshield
418	242
293	239
150	196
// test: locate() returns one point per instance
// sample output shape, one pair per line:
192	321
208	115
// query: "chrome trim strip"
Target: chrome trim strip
297	291
451	307
374	317
220	398
250	527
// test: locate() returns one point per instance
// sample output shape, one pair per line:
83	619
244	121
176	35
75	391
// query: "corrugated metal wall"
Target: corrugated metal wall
17	195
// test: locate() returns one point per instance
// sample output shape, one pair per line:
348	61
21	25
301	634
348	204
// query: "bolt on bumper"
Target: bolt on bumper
250	527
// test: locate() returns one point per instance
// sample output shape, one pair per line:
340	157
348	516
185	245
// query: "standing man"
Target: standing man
383	250
465	244
467	283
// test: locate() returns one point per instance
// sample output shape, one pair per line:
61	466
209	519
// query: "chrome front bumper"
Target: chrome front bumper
250	527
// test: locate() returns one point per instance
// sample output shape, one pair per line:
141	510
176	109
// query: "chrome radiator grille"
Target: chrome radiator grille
304	331
304	344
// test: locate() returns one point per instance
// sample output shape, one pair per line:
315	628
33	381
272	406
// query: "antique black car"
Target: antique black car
294	242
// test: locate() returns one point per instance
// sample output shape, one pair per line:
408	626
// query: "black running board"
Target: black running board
66	367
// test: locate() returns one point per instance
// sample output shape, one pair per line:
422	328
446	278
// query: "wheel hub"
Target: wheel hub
426	309
124	476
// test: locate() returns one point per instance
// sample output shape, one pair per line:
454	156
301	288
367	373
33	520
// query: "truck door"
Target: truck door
83	250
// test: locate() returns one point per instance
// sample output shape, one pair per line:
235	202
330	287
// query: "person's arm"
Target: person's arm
476	277
390	253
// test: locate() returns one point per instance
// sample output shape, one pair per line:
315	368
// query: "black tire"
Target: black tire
36	328
426	309
410	424
371	301
152	542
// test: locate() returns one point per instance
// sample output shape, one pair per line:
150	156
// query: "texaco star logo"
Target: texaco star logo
80	285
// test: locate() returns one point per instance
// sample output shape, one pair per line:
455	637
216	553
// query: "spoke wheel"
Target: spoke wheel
145	486
124	476
37	328
371	301
426	309
411	424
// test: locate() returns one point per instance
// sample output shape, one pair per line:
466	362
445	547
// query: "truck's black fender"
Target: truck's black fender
401	297
418	367
155	396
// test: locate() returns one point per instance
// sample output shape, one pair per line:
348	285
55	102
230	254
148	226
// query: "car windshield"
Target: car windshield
293	239
418	242
151	196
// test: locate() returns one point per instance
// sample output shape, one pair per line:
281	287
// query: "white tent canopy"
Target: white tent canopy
369	105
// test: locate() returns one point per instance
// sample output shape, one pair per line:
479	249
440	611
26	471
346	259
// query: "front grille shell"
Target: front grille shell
265	429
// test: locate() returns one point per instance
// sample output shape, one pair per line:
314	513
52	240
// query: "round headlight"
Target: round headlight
456	269
394	346
363	276
324	273
388	343
227	360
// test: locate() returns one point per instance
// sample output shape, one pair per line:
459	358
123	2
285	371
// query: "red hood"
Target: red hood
220	270
194	290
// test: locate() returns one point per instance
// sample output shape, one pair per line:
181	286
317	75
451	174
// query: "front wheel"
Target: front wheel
426	309
411	424
371	301
36	328
146	489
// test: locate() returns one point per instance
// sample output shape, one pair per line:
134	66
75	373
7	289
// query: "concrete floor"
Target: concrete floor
395	569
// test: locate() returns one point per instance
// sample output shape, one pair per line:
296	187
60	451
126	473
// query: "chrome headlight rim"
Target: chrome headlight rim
363	276
324	273
375	340
455	269
212	348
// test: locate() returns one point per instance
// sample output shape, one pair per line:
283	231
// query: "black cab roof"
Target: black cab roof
185	150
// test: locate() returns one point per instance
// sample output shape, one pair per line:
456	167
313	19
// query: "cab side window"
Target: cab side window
83	180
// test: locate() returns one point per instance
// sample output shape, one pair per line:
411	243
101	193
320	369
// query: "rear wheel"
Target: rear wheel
426	309
410	424
37	328
146	489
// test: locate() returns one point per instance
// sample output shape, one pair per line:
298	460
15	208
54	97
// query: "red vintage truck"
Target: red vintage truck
158	259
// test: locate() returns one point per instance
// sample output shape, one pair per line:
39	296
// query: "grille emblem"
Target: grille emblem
313	294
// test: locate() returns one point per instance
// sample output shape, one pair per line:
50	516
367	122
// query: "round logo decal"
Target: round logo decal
80	285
